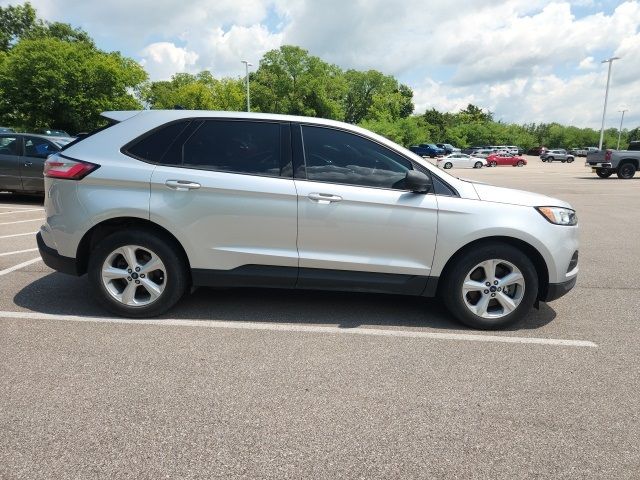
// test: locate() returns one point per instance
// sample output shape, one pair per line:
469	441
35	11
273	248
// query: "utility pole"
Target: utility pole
606	97
247	65
620	129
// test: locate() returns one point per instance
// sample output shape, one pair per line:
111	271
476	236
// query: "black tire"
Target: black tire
520	163
604	172
451	287
448	165
493	163
570	159
543	160
626	171
478	165
177	277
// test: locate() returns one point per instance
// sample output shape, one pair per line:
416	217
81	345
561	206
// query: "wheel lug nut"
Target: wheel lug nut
130	271
496	282
138	282
486	291
142	275
488	284
499	289
493	294
129	278
137	269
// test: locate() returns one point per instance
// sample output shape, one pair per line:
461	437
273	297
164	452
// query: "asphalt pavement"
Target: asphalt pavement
288	384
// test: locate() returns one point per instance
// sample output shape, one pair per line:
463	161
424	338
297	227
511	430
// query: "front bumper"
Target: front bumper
557	290
54	260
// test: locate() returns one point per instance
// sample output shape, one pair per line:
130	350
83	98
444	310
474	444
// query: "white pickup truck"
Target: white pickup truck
624	163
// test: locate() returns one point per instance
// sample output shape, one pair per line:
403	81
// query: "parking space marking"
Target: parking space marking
23	221
19	266
15	212
17	252
280	327
18	235
14	207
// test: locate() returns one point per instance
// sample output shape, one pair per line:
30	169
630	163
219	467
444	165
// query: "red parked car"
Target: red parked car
500	159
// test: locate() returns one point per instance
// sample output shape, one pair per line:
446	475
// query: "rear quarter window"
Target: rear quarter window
154	146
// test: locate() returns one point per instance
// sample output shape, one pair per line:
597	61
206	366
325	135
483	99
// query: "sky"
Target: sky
525	60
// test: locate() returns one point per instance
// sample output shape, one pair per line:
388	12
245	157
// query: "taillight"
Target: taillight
607	155
57	166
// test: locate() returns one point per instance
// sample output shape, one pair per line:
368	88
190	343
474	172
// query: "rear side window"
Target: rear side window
154	147
235	146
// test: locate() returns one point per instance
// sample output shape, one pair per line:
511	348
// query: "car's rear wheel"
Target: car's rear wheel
494	163
490	287
477	165
604	172
626	171
137	274
448	165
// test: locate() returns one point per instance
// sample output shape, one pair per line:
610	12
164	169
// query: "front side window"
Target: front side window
341	157
235	146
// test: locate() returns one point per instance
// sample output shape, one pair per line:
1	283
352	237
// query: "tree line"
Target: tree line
53	75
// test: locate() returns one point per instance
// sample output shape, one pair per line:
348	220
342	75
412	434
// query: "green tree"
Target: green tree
371	95
16	22
61	84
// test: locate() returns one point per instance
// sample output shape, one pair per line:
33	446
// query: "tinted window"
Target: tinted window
39	147
235	146
153	147
341	157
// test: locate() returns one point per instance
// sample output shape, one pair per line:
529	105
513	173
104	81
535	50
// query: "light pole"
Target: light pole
247	65
620	129
606	97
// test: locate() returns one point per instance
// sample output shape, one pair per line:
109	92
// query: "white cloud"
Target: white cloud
163	59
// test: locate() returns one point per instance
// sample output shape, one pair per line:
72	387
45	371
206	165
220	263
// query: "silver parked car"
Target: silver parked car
165	200
557	154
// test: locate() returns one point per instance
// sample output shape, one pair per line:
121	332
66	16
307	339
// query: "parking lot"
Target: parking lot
288	384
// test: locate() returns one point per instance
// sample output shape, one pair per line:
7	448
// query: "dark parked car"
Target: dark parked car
6	130
22	157
427	150
448	148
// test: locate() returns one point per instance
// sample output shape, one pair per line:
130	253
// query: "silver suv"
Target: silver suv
165	200
557	154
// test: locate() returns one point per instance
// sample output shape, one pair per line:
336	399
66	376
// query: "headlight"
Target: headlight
559	215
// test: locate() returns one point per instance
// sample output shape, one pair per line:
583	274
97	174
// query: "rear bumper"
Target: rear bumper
557	290
54	260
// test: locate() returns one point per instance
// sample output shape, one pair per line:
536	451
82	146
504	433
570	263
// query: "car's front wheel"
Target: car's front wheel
478	165
448	165
137	274
490	287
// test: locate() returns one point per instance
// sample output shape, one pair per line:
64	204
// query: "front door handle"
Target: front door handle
182	185
28	164
324	197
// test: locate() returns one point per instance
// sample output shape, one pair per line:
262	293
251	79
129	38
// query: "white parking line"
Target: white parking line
16	252
278	327
19	266
23	221
26	210
14	207
18	235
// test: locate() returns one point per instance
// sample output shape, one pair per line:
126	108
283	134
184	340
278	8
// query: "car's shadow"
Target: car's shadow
8	198
64	295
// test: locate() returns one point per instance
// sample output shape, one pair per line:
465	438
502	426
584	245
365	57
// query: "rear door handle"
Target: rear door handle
28	164
182	185
324	197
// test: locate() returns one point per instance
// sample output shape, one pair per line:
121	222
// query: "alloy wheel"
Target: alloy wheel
134	276
493	288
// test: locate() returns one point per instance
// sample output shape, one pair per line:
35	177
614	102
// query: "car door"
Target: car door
225	189
36	151
357	227
10	149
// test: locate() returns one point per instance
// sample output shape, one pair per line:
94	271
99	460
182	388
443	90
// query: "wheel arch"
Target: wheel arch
633	161
103	229
534	255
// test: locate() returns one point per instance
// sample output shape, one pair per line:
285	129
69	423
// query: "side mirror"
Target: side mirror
417	182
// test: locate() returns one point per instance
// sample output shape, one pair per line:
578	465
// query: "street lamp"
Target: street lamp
247	65
620	129
606	97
